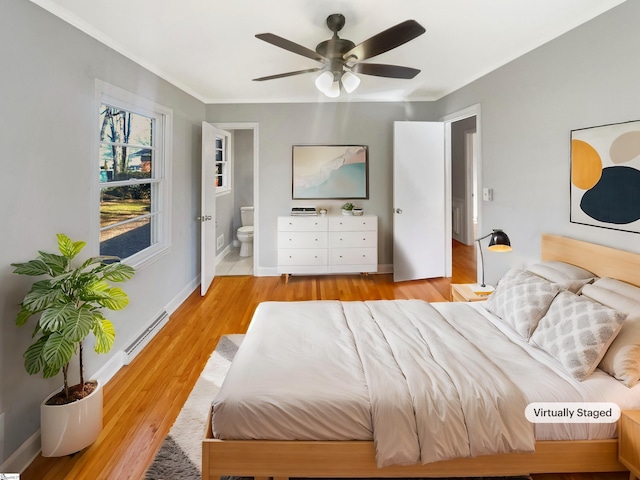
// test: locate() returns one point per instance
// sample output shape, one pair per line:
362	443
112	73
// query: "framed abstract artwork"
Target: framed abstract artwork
330	171
605	176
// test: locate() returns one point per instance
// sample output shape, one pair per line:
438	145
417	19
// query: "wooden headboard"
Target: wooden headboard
601	260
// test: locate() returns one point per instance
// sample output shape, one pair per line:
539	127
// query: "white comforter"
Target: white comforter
395	371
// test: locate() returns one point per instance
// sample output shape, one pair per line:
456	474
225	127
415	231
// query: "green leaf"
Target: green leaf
57	264
79	324
68	248
118	272
116	300
96	290
50	371
23	316
56	317
105	335
42	295
33	358
33	267
57	351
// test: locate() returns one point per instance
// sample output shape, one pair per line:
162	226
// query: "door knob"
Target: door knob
398	210
204	218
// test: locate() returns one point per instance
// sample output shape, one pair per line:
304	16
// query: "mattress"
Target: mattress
303	372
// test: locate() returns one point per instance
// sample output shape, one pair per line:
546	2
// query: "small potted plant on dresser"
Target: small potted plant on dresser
347	208
68	303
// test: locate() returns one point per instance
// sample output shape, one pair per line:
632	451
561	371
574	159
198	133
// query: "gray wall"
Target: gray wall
242	173
588	77
224	219
284	125
47	138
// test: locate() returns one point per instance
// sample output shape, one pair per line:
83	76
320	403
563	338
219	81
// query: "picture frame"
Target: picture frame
330	172
605	176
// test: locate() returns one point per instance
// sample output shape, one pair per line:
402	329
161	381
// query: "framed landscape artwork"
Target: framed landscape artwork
330	171
605	176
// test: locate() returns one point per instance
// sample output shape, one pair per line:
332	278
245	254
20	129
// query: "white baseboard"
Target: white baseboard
182	295
23	456
220	256
19	460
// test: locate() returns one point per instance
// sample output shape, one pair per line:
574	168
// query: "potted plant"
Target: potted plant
69	303
347	208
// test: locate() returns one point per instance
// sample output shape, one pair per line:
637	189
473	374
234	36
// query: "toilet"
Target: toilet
245	232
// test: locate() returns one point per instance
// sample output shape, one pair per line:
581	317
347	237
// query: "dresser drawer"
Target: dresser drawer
301	256
302	224
353	239
357	223
302	239
353	256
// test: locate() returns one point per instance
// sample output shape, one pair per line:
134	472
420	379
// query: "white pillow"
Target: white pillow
567	276
622	359
521	299
577	332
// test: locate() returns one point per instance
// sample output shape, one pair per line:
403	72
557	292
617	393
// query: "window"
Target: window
133	162
223	162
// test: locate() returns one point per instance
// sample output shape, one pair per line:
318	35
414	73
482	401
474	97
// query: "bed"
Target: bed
342	456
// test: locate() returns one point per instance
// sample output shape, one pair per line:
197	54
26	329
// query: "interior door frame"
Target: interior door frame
471	111
470	151
256	172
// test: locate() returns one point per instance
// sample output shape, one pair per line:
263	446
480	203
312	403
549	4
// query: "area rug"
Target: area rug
180	456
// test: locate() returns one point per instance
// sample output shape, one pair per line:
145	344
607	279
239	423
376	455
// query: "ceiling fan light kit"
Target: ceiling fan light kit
340	58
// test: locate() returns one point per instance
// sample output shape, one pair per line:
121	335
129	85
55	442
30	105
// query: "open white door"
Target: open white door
419	220
214	142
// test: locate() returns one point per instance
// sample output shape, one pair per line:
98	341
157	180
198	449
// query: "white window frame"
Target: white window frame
227	153
161	201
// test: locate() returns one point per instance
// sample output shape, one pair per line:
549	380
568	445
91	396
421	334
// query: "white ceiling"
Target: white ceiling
208	48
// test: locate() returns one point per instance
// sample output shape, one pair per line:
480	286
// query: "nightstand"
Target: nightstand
629	441
461	292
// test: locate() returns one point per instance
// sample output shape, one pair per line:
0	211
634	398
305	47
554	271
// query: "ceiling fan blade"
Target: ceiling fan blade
381	70
384	41
290	46
288	74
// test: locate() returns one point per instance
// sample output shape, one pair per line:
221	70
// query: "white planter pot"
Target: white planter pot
66	429
346	212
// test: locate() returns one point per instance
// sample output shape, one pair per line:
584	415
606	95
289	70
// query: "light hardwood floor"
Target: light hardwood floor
143	399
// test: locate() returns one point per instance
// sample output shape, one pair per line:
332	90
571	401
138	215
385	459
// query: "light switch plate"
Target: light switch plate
487	194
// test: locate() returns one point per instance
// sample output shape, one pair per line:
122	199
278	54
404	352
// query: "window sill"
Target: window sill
142	260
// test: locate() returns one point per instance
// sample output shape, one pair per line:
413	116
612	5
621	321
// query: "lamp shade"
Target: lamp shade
324	81
499	241
333	91
350	81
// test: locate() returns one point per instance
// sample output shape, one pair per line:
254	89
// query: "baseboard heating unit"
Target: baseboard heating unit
145	336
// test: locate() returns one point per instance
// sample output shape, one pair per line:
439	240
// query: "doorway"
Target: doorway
244	193
462	130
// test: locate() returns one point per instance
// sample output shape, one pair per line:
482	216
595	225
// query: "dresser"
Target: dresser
327	244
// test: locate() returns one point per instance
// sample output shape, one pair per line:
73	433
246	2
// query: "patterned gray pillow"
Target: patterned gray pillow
521	299
577	332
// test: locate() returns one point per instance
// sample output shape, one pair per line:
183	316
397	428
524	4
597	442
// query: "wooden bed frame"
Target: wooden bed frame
283	459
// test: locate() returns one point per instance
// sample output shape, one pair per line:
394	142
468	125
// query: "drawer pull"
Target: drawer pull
340	256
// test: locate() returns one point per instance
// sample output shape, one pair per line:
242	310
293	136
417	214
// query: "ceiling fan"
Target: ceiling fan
340	58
